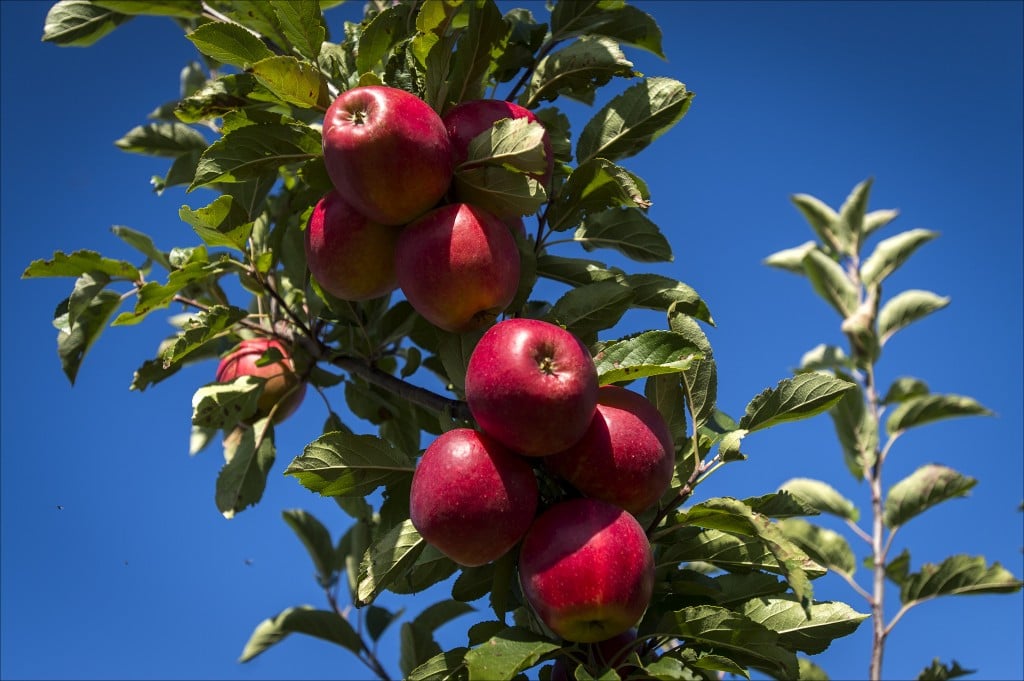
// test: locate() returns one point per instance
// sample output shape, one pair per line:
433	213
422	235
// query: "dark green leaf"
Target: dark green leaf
701	378
222	405
385	30
218	97
79	263
938	671
79	23
342	464
506	654
143	243
154	296
472	57
823	497
430	567
86	289
575	271
898	568
591	308
317	540
626	230
162	139
918	411
473	583
200	329
957	575
665	392
386	559
823	545
929	485
645	354
576	71
378	619
302	25
222	223
890	253
798	631
616	20
591	188
632	120
74	342
905	308
454	349
416	645
322	624
295	82
248	152
857	431
448	666
249	452
506	191
259	16
229	44
792	399
656	292
781	504
186	9
511	142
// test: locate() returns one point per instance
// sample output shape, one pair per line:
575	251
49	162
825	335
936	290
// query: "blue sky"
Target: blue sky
115	561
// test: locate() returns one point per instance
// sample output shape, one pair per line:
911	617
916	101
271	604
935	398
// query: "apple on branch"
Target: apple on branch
282	385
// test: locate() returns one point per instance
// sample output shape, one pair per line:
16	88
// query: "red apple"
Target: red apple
458	266
469	119
351	257
472	498
282	384
387	153
587	570
626	456
532	385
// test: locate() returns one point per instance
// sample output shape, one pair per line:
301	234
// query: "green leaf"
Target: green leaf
379	619
302	25
590	308
823	545
87	287
387	558
473	583
877	219
317	540
956	576
631	121
295	82
793	399
823	497
904	388
790	259
246	153
898	568
454	350
829	281
810	671
343	464
850	225
576	71
665	392
199	329
506	654
781	504
73	342
733	634
857	431
701	378
471	60
905	308
217	97
506	191
656	292
938	671
593	187
797	631
185	9
78	263
513	142
222	405
918	411
644	354
222	223
415	646
79	23
229	44
824	357
249	452
437	615
430	567
322	624
575	271
732	515
448	666
822	220
616	20
259	16
154	296
142	243
626	230
928	486
385	30
890	253
162	139
724	550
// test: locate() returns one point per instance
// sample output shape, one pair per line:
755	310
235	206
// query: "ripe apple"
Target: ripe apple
532	385
350	256
608	654
458	266
282	384
626	456
472	498
587	570
469	119
387	152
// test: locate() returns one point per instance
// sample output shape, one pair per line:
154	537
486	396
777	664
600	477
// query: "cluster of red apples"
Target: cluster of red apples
585	563
395	219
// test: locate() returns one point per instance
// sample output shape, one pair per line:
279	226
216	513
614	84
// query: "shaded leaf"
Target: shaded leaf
823	545
905	308
626	230
593	187
343	464
302	25
657	292
781	504
222	405
385	30
823	497
509	192
387	558
79	23
937	671
904	388
829	281
726	551
857	431
448	666
619	21
590	308
575	271
792	399
162	139
928	486
317	540
186	9
918	411
701	377
471	60
249	452
957	575
73	342
322	624
576	71
154	296
199	329
506	654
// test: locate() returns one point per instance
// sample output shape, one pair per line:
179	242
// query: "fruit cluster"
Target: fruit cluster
395	218
585	563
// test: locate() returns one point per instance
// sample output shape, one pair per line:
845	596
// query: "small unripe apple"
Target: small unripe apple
458	266
625	457
587	570
532	385
282	384
472	498
350	256
387	152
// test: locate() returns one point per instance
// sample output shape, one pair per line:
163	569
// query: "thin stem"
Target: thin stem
873	473
853	583
858	531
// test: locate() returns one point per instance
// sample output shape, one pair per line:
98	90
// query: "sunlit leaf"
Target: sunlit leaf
78	263
506	654
829	281
222	223
387	558
302	25
823	497
905	308
792	399
644	354
798	631
342	464
229	43
790	259
824	546
249	152
917	411
890	253
79	23
296	82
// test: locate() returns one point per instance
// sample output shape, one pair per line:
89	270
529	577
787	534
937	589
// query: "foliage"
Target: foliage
851	282
734	587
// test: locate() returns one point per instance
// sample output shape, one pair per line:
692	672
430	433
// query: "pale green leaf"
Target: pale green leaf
824	546
904	388
929	485
506	654
850	225
222	223
295	82
78	263
726	551
790	259
222	405
229	43
890	253
516	143
79	23
918	411
823	497
798	631
905	308
822	220
830	281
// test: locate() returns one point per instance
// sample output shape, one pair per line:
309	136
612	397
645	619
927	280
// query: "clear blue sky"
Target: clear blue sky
140	577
